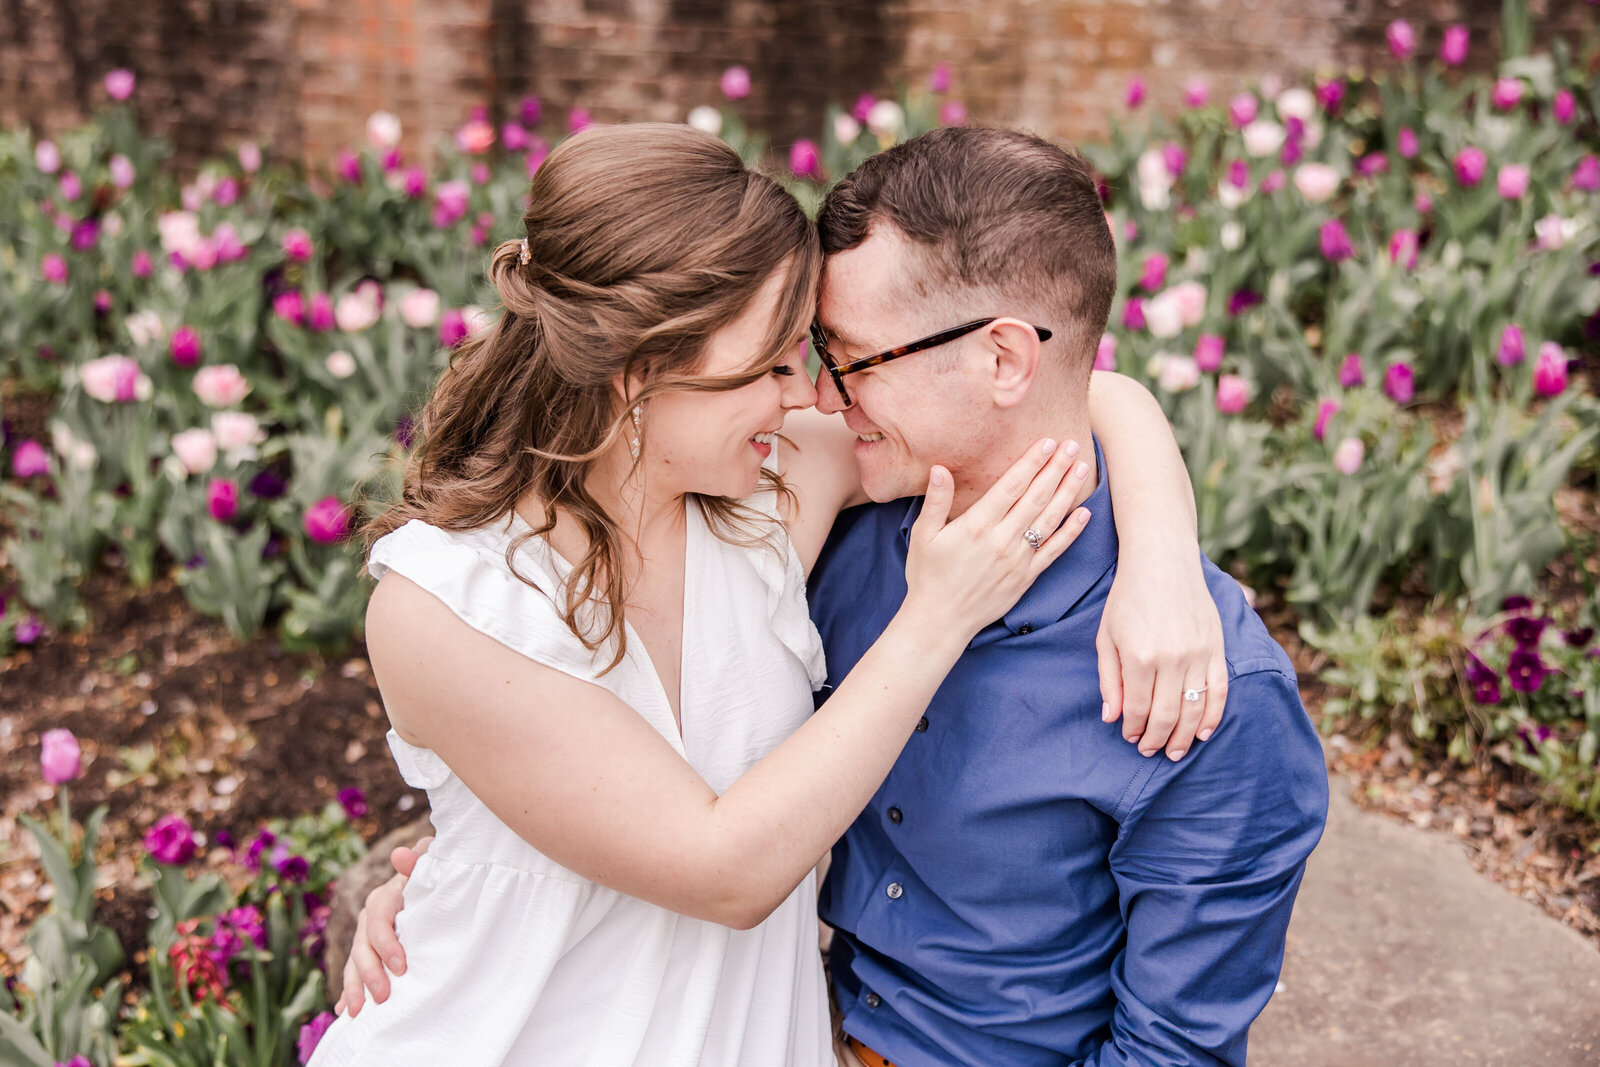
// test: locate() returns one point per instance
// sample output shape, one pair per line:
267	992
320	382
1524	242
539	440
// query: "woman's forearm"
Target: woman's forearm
1151	494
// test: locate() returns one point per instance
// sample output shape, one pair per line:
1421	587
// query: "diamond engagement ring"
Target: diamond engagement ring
1035	541
1192	695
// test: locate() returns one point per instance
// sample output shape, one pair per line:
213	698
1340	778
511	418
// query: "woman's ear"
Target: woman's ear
1013	349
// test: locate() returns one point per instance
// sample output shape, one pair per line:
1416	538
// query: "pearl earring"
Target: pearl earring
638	422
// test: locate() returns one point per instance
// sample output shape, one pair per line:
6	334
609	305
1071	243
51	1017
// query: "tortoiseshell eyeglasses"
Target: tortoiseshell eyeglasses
819	341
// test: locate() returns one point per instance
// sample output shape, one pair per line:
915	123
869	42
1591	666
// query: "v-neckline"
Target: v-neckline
636	645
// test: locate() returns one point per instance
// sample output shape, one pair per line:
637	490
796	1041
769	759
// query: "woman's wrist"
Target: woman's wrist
936	639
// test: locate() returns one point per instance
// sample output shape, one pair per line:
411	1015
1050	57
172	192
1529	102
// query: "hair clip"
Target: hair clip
524	255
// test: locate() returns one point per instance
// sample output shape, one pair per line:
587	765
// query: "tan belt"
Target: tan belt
867	1056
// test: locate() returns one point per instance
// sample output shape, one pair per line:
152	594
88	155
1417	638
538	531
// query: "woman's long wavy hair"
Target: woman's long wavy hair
644	241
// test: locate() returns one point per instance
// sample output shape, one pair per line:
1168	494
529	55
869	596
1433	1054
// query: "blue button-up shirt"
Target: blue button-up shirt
1026	888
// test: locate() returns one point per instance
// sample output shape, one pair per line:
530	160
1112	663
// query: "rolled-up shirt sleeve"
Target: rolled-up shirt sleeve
1207	863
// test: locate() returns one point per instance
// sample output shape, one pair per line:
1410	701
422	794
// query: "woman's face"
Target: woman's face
714	443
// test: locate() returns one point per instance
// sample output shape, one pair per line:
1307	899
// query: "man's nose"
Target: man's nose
828	398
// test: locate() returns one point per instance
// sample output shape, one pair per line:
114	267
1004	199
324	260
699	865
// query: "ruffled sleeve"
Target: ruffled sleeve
785	580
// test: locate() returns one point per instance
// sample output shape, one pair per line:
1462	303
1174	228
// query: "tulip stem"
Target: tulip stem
66	818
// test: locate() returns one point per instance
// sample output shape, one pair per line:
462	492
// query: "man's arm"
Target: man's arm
1207	867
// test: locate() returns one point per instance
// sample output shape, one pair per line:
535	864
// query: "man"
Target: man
1026	887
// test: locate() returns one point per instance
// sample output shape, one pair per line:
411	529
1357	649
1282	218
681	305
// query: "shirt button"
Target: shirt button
895	816
1025	629
873	1000
894	890
922	725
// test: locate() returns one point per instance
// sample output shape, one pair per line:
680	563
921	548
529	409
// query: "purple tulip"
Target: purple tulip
1351	374
1526	670
805	161
735	83
1564	107
1470	164
1242	109
1208	352
1511	351
293	869
1406	143
1326	410
222	499
1550	370
1453	49
1512	182
354	802
1506	94
1477	670
1399	382
170	841
529	111
1335	241
1242	300
1403	249
311	1035
327	522
1586	175
185	346
120	84
405	430
1402	39
1136	92
297	245
1133	314
60	760
30	460
28	630
54	268
268	484
1154	277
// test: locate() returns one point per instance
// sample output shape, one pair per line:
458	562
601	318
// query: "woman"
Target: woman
592	641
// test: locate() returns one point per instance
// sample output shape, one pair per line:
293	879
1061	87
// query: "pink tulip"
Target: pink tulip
514	138
1550	370
1453	49
1402	39
1372	163
185	346
140	265
327	522
953	113
1507	94
805	161
297	245
290	307
1399	382
30	460
1136	92
1196	93
1239	174
578	120
1274	181
1406	143
1173	155
735	83
1564	107
1105	354
939	80
355	312
1176	374
120	84
1154	277
236	431
419	308
85	235
1326	410
1351	374
1348	455
1403	248
450	203
71	186
220	386
1242	109
222	499
1233	392
121	168
1513	181
1190	298
536	156
1586	175
47	157
114	379
1470	164
60	759
349	167
1423	203
196	449
1208	352
249	157
480	173
475	138
1335	242
1512	350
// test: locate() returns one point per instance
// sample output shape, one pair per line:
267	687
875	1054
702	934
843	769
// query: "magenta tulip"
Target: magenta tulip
1326	409
321	317
141	265
452	328
1173	155
805	161
1506	94
1196	92
1208	352
1154	277
1400	382
735	83
1242	109
1564	107
327	522
1550	370
222	499
1402	39
1136	92
953	113
1586	175
1403	248
1470	164
120	84
30	460
1406	143
1512	182
297	245
170	841
1453	49
185	346
1105	354
1512	350
939	80
54	268
290	307
1335	242
1351	374
1133	314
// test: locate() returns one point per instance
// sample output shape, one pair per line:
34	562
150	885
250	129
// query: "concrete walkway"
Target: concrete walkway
1401	955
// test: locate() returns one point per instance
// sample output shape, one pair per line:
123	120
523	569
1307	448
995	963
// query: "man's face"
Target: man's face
910	413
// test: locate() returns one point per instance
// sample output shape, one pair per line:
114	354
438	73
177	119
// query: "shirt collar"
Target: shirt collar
1058	590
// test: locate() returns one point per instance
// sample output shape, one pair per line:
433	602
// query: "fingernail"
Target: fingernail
1176	756
1205	735
1049	445
1105	712
396	965
1081	470
1072	449
1147	755
937	477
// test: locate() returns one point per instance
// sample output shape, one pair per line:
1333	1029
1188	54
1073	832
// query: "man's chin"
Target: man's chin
881	490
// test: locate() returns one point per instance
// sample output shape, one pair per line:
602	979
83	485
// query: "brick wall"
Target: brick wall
303	76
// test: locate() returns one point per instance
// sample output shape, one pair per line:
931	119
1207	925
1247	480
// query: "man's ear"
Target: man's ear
1013	348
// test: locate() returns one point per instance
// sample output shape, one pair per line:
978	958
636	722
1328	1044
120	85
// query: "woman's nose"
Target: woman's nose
798	392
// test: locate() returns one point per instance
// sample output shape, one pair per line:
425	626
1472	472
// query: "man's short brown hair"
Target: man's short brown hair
998	214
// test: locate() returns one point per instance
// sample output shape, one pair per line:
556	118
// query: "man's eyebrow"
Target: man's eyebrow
844	339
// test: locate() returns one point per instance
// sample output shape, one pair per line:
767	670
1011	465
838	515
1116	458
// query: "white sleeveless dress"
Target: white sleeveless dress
514	959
